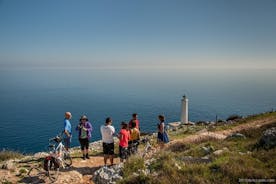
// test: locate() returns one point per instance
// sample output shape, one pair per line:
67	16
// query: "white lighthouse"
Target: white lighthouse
184	110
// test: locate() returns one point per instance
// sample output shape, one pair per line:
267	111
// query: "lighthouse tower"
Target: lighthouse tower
184	110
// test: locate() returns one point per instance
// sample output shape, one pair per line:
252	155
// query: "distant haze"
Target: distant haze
138	34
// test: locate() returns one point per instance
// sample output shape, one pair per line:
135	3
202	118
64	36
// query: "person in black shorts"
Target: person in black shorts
85	129
107	132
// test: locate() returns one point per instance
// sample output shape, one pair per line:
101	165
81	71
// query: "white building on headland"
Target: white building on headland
184	118
184	110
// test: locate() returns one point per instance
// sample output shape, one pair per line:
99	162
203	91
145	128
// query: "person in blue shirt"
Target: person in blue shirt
67	130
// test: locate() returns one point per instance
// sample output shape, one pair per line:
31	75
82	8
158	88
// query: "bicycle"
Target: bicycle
133	147
58	157
147	147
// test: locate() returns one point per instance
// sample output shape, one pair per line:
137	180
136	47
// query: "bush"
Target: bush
234	117
133	165
6	155
178	147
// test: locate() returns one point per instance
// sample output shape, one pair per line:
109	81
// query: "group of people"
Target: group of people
128	136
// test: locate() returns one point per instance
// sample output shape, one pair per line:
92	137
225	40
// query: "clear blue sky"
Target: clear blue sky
139	33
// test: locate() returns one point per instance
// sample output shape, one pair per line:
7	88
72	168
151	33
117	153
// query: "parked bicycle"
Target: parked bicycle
133	147
58	158
148	148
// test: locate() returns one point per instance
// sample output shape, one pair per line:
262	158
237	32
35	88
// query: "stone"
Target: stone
190	159
218	152
206	159
236	136
202	123
268	139
70	177
207	150
177	166
225	149
9	165
108	175
149	161
221	151
40	155
22	171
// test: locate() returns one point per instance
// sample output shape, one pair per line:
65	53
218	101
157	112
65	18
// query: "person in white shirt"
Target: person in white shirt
107	132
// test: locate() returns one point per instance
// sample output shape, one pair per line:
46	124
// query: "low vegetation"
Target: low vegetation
234	117
206	160
238	159
6	155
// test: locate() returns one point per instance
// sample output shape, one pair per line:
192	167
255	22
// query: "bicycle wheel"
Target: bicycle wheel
67	159
52	169
34	176
146	149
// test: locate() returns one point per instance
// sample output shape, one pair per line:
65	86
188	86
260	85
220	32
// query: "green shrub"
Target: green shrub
178	147
142	179
4	181
133	165
233	117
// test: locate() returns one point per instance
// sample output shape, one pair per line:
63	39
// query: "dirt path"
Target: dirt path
85	168
222	134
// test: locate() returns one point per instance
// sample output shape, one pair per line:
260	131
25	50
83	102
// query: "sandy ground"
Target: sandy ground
89	166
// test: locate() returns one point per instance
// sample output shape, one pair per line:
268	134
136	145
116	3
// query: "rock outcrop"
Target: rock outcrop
108	175
268	139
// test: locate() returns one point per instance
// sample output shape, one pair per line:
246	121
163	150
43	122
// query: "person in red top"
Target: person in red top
134	118
124	137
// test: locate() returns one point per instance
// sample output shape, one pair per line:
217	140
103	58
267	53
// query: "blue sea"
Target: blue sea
33	101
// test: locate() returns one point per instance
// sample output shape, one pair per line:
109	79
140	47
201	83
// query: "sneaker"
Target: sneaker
87	156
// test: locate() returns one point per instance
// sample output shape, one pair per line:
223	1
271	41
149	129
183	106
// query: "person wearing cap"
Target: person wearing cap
67	130
85	128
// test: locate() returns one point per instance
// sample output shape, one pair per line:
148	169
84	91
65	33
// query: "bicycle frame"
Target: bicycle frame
58	151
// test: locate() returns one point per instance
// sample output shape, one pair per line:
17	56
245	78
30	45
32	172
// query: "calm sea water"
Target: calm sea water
33	101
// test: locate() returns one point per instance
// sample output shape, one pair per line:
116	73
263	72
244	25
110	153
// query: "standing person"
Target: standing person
85	129
67	130
134	118
107	132
162	136
123	144
134	138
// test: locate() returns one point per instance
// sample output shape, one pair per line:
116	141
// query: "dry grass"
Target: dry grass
240	162
6	155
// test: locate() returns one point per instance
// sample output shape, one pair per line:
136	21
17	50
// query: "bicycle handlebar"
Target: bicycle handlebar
59	136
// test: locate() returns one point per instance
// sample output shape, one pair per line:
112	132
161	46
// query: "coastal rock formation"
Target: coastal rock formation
221	151
236	136
108	175
9	165
40	155
268	139
196	160
207	150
